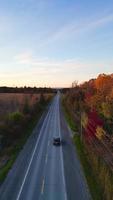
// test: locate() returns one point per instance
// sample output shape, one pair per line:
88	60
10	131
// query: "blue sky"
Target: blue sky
54	42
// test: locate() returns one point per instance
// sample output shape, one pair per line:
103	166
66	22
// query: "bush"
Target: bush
103	174
15	117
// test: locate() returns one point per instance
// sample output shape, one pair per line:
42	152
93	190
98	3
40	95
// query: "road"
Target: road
43	171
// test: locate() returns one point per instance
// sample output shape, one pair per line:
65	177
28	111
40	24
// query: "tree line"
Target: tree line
25	89
94	95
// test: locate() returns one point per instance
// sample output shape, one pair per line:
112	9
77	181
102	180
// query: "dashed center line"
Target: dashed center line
43	182
42	188
46	158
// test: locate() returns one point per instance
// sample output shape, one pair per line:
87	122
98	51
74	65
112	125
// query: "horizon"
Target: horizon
61	87
53	43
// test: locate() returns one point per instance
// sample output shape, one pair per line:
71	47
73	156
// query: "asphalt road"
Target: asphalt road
43	171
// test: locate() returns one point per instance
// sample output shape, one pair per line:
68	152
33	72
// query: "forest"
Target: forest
90	105
93	97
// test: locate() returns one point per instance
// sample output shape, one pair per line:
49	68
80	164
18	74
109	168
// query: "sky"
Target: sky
54	42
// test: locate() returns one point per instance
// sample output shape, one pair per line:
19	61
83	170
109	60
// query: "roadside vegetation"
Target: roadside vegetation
89	111
19	115
94	186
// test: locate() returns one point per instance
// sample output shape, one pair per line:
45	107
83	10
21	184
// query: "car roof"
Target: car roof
56	138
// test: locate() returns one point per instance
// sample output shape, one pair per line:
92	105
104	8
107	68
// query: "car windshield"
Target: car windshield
57	139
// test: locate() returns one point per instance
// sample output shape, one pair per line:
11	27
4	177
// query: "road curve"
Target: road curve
42	171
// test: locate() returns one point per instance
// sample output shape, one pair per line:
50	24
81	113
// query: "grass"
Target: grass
92	180
14	151
11	102
69	119
6	168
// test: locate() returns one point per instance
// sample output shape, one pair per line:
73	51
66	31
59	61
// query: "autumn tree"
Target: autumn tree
104	84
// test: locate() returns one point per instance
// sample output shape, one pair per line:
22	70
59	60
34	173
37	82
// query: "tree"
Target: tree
106	110
104	84
100	132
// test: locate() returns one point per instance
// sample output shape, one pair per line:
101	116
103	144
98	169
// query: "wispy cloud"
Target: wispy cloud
47	66
44	63
98	23
46	71
73	28
23	58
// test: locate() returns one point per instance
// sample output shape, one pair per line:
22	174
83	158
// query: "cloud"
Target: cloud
23	58
59	68
51	72
72	28
98	23
45	65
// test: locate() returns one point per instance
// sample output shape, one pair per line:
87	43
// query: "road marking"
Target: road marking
46	158
61	153
42	188
21	188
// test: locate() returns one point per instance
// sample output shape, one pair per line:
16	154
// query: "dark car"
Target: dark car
57	141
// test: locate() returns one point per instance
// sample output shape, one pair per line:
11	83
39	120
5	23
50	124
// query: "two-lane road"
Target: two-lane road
45	174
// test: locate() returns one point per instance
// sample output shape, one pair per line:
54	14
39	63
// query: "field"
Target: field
19	114
12	102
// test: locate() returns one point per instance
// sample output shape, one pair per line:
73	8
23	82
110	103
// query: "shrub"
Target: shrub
15	117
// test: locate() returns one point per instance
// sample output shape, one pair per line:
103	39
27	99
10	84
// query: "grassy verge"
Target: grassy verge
93	183
14	151
69	118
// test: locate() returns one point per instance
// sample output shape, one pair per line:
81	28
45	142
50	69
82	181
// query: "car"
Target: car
57	141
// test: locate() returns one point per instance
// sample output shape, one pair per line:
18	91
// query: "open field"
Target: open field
12	102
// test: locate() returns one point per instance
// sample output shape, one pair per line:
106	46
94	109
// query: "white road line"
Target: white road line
61	153
42	188
46	158
44	176
21	188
